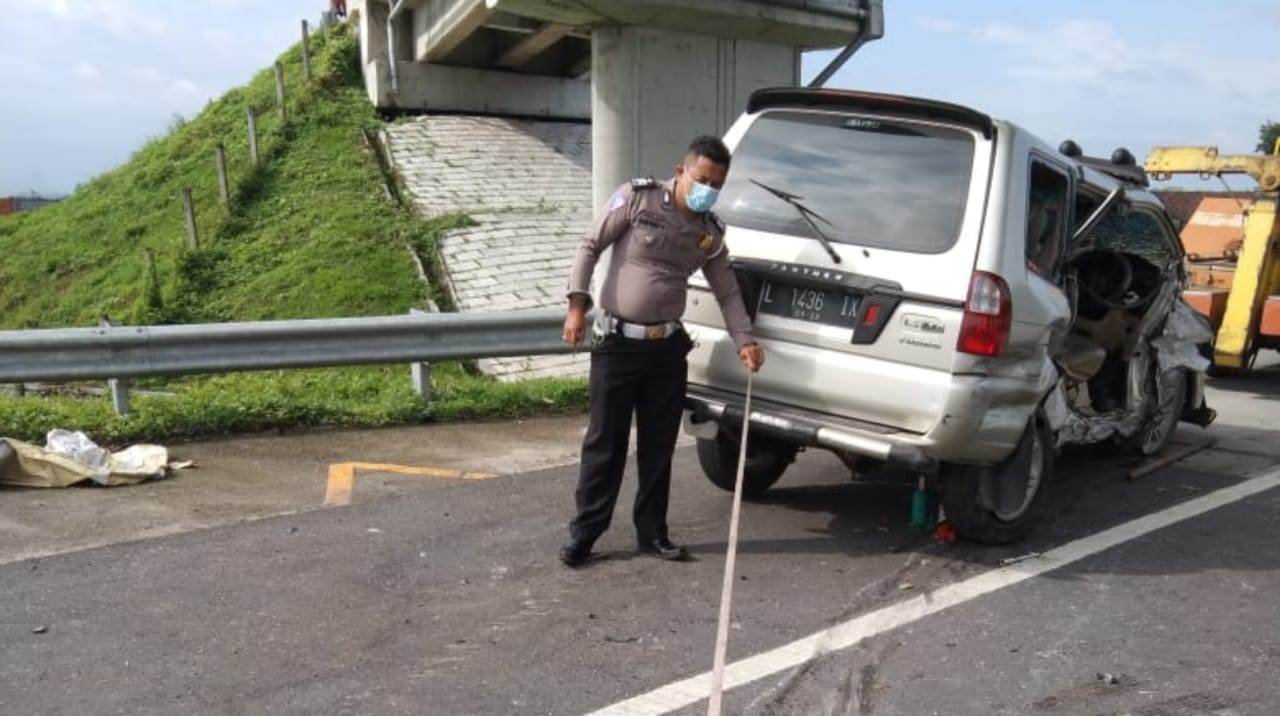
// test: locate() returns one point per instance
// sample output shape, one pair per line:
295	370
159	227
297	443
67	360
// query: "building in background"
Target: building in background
20	204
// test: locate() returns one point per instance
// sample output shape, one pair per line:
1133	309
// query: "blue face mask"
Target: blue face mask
701	198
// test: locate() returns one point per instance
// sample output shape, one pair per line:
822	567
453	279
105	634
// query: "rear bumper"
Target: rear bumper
708	407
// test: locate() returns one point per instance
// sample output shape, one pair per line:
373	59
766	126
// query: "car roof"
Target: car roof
822	98
1105	184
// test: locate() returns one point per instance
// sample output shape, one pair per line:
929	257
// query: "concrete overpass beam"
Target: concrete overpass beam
533	45
439	26
803	23
442	88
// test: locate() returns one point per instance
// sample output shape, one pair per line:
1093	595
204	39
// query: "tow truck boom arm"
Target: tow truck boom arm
1164	162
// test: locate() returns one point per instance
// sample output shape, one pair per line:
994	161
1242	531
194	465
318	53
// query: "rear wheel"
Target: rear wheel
1001	503
767	459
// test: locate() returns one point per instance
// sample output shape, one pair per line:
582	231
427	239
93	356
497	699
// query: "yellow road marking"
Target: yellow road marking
342	476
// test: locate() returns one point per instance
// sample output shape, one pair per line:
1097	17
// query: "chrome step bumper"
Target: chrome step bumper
705	410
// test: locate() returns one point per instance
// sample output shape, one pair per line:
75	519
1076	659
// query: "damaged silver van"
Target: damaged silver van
940	291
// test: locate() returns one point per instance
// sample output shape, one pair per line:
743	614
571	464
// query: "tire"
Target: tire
1163	416
969	490
766	461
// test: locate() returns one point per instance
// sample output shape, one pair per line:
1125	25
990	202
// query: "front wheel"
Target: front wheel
767	459
1002	503
1162	419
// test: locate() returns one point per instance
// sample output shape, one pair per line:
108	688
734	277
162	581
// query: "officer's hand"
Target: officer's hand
752	356
575	326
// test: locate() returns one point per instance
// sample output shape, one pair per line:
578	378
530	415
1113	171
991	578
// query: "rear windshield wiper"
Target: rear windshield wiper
807	214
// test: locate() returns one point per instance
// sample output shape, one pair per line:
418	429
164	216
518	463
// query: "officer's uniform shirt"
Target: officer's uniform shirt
656	248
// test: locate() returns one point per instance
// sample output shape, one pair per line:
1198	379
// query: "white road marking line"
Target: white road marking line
689	691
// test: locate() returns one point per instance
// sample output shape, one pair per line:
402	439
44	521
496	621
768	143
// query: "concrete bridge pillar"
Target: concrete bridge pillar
654	90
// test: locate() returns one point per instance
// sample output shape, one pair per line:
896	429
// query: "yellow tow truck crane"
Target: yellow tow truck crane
1233	251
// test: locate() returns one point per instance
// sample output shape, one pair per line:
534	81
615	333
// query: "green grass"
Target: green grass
311	233
243	402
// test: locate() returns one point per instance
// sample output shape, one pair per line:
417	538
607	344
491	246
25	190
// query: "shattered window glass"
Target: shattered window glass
1135	232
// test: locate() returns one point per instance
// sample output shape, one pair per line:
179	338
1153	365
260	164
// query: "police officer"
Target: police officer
661	233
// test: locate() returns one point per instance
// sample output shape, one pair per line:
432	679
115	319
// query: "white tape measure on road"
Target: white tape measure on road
730	557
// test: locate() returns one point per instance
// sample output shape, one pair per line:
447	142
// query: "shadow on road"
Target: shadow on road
1261	382
1090	492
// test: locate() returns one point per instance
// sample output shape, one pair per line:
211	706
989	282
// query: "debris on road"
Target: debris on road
923	512
40	630
1014	560
945	533
1151	466
621	639
70	458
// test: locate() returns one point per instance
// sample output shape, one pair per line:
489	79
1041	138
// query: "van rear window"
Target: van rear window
866	181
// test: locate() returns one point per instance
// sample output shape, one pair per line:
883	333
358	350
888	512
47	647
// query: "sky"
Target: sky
85	83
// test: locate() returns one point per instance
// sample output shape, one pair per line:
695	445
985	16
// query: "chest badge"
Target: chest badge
706	243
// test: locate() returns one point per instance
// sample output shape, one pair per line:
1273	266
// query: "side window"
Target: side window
1047	219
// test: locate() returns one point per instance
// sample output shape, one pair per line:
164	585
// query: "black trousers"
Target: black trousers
647	379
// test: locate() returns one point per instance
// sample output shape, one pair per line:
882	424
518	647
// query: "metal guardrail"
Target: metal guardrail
73	354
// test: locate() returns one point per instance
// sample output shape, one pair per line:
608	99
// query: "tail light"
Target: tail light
988	316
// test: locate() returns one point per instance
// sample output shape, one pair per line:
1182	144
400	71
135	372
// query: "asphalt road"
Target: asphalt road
443	596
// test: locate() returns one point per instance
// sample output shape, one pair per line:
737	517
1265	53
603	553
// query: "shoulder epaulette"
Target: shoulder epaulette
644	183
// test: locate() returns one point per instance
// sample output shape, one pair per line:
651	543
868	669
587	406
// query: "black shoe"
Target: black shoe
574	553
662	548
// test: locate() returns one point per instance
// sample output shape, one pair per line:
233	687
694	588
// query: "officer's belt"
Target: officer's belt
647	331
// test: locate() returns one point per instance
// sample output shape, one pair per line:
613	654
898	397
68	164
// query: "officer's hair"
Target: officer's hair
710	147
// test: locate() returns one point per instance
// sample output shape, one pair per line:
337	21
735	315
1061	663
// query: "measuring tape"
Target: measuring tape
731	555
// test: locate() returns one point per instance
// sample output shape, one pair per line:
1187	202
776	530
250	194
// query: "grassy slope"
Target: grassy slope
311	233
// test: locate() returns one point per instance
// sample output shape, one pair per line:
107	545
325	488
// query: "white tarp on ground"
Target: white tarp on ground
72	458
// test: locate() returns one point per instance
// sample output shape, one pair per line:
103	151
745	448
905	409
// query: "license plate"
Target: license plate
814	305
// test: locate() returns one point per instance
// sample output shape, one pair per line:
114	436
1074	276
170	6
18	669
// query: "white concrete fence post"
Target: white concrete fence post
253	136
306	52
220	163
280	91
189	210
420	373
